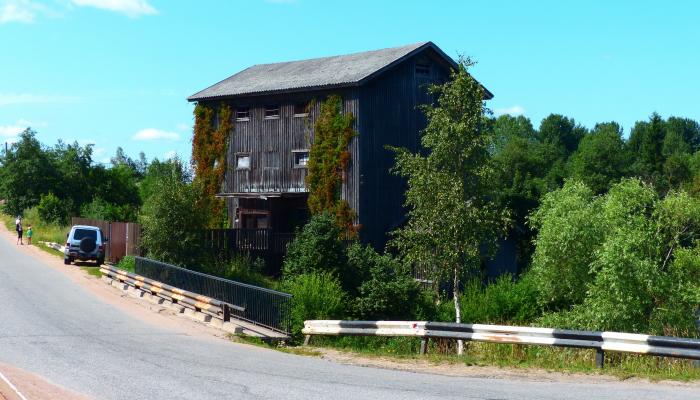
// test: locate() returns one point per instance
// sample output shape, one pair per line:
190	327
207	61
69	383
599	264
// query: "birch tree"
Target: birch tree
451	219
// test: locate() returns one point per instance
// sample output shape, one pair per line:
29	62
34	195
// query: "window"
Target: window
242	161
272	111
301	109
301	158
422	70
242	114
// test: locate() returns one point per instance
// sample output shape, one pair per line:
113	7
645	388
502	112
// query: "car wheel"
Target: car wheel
67	260
100	261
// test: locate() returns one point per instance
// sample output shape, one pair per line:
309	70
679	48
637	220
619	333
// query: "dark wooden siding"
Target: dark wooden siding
389	116
270	143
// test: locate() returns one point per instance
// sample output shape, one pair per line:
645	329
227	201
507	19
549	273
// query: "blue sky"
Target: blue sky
117	72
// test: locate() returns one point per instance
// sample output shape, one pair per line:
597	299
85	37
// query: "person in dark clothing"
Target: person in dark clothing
18	227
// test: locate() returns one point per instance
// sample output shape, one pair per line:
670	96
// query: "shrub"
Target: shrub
53	210
242	269
317	248
172	224
317	295
128	263
500	302
388	293
100	209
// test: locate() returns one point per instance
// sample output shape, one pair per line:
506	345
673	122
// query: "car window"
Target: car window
79	234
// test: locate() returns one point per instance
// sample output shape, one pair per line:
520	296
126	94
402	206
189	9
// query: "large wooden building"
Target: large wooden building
273	131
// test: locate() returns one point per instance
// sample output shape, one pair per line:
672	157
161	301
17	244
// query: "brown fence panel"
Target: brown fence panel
133	239
117	241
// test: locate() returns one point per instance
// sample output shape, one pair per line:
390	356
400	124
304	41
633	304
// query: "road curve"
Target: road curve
51	326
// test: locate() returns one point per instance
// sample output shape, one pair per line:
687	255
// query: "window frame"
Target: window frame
247	113
422	70
294	158
240	155
272	107
303	114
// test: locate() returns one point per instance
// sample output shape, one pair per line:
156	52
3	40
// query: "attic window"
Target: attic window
242	114
422	70
272	111
301	109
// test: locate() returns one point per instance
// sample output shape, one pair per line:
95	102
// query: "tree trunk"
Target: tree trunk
458	310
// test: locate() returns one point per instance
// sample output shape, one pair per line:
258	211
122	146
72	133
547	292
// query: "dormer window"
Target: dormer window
272	111
301	109
242	114
422	70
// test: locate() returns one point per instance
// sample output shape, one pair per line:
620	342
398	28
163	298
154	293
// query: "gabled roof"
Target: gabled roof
318	73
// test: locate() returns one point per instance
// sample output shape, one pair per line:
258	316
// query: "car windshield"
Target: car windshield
79	234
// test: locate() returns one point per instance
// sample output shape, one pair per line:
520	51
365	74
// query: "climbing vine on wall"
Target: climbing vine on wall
212	128
329	158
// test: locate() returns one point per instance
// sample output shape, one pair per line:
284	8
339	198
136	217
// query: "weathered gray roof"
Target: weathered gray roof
317	73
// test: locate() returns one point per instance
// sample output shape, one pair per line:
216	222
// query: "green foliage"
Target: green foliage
242	269
316	295
329	157
172	222
318	248
642	264
500	302
127	263
53	210
562	132
600	159
569	229
26	174
388	293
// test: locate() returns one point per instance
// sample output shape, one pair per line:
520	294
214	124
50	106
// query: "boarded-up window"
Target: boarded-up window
242	114
272	111
422	70
301	109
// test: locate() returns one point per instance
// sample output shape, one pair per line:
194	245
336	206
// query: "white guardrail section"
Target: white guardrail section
600	341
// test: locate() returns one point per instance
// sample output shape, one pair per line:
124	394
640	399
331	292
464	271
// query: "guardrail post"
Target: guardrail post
227	312
423	345
307	340
599	358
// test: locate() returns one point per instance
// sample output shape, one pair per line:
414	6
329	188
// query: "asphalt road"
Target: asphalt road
52	327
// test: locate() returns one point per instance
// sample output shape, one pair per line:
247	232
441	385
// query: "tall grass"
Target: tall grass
43	232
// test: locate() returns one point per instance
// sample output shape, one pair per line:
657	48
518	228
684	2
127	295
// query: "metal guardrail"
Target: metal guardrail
600	341
264	307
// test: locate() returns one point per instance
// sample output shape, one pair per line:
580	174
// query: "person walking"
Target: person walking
18	227
30	233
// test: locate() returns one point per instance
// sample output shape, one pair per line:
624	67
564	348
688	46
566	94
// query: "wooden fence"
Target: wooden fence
124	237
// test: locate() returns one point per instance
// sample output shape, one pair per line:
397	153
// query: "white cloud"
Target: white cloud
131	8
514	111
17	11
10	133
155	134
31	98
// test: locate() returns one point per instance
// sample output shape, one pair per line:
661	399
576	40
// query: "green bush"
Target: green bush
100	209
242	269
503	301
128	263
316	295
53	210
317	248
569	233
388	293
172	224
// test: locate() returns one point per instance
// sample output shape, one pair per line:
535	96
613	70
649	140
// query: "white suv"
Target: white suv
84	243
